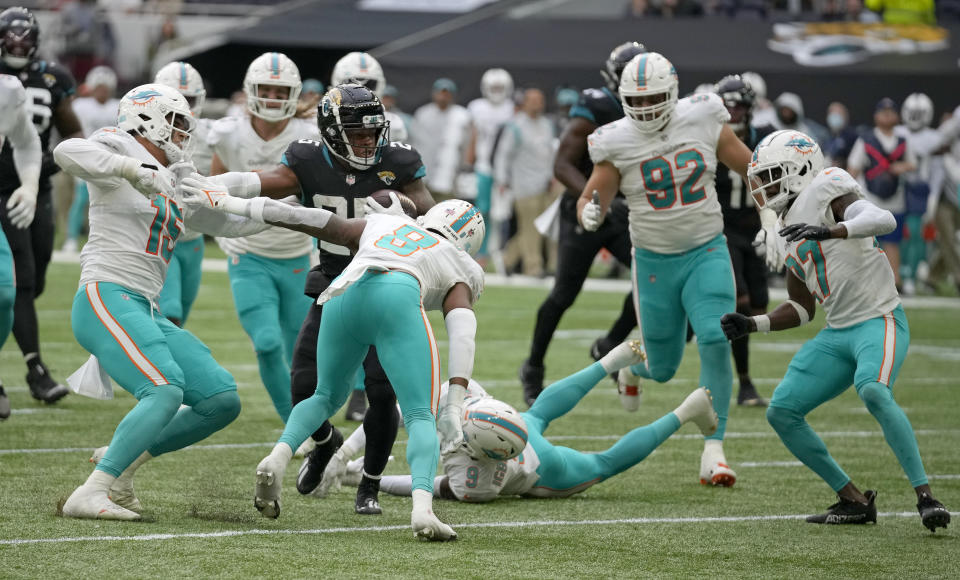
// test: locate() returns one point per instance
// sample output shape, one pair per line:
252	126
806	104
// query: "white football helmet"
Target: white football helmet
647	75
493	429
183	77
158	113
12	99
359	68
101	76
272	69
496	85
755	82
783	164
917	111
459	222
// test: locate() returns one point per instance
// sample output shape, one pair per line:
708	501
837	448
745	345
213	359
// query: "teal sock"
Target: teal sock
141	427
423	447
716	373
305	418
896	429
636	445
806	445
275	374
196	423
559	398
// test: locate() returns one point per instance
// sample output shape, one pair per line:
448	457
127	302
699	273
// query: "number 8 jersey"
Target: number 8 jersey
391	242
667	176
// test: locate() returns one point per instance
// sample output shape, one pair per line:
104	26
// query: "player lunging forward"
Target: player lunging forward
663	156
831	255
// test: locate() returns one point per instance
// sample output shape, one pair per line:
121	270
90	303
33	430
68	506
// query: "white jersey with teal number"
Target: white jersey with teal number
391	242
240	149
479	480
667	177
851	278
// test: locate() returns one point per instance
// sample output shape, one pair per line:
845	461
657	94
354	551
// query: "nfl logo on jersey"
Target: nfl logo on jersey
351	179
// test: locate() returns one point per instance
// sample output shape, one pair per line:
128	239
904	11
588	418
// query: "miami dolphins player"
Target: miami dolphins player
16	128
832	257
268	270
401	269
663	155
352	160
184	273
135	220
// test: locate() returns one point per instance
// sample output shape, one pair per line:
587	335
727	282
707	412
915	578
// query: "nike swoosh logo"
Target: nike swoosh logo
297	270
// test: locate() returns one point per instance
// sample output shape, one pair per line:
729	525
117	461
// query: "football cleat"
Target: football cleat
629	389
932	513
266	496
747	396
531	378
699	406
368	503
427	526
714	470
314	464
42	386
4	404
849	512
121	492
89	503
356	406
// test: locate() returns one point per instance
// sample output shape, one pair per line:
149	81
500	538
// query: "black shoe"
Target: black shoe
932	513
367	502
42	386
357	406
4	405
748	396
599	349
311	471
849	512
531	378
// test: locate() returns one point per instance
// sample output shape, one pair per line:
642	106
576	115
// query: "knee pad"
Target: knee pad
875	396
781	419
165	398
662	374
267	341
225	407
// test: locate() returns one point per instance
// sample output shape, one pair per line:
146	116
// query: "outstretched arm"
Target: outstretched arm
461	325
732	152
418	193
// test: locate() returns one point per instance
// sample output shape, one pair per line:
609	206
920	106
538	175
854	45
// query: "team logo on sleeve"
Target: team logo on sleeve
387	177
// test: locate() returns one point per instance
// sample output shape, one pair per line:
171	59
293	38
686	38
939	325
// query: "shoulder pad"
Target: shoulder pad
112	137
221	128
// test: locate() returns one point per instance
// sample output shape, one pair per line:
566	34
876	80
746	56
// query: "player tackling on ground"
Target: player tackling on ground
832	255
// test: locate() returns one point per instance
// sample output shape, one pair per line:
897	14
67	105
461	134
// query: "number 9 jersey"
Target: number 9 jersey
668	176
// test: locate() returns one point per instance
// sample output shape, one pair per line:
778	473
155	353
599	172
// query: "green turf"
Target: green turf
205	490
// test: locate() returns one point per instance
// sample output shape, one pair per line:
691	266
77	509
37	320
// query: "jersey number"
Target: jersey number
166	228
339	206
811	250
659	183
38	103
406	241
737	198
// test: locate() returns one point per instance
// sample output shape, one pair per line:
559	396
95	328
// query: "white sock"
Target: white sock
282	451
620	356
422	500
684	412
714	447
100	480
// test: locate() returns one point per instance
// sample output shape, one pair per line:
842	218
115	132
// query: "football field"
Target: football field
653	520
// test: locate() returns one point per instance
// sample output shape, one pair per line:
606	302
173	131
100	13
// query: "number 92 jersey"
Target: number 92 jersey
667	177
328	184
391	242
47	85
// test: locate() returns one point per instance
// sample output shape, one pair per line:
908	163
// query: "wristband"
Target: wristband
763	323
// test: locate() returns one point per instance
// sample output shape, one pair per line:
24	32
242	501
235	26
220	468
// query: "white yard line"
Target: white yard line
535	523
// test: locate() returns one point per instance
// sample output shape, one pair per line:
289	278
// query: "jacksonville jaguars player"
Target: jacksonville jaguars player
49	89
577	248
135	220
16	128
663	156
268	270
352	160
741	223
401	269
183	275
832	257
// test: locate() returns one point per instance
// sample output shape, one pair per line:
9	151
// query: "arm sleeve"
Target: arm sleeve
461	331
224	225
865	220
90	160
27	155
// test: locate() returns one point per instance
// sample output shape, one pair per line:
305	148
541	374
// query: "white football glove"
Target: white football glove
202	193
147	179
767	244
450	426
22	206
395	208
592	215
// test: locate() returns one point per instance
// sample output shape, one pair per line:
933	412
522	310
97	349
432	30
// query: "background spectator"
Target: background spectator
440	135
87	37
842	135
789	109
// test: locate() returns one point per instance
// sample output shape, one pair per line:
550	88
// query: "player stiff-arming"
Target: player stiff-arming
663	156
135	220
401	268
832	255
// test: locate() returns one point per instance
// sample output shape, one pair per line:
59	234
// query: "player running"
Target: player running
832	256
663	156
135	220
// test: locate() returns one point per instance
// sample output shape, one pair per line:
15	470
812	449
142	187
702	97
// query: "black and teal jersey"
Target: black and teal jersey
47	84
599	106
739	211
327	183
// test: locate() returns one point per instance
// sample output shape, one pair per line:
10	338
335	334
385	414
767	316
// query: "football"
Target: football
494	429
382	196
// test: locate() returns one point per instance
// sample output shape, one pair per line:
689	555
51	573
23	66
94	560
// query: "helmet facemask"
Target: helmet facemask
651	111
357	134
18	45
773	185
272	108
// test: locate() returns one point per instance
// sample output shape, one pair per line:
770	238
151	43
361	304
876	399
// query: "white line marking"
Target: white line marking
769	464
259	532
945	476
